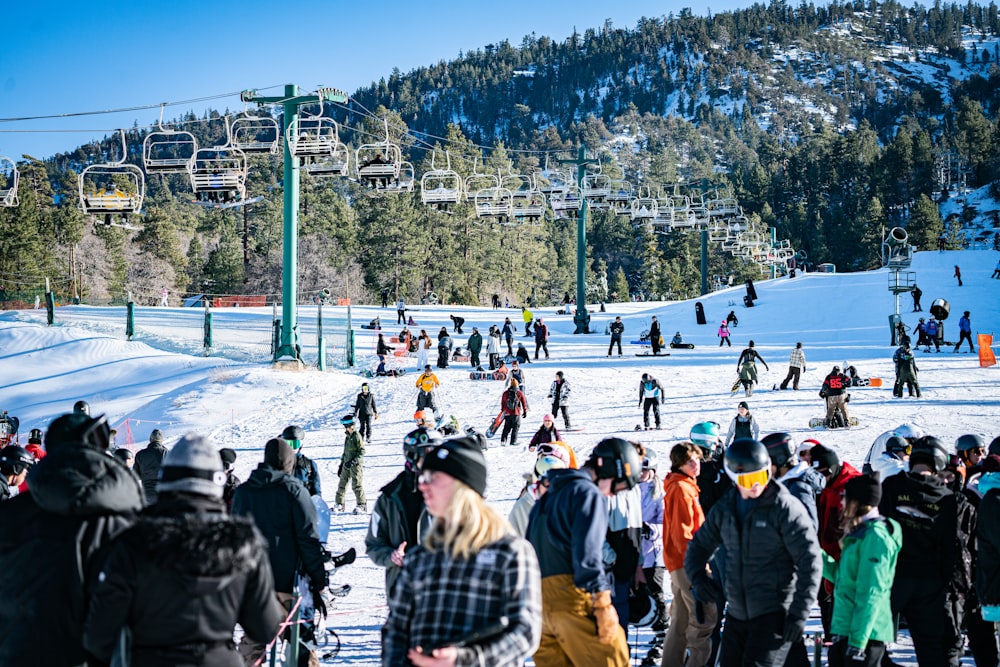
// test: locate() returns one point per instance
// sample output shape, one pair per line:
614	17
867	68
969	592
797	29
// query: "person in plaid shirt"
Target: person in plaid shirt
796	366
469	576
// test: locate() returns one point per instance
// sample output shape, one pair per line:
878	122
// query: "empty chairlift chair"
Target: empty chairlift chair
8	182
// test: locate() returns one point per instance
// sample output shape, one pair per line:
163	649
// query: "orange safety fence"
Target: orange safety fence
986	356
244	301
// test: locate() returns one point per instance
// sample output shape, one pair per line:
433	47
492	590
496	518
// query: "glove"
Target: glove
794	628
606	616
340	469
318	603
854	653
524	415
647	531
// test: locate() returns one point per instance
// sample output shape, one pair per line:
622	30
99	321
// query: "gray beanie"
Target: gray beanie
192	466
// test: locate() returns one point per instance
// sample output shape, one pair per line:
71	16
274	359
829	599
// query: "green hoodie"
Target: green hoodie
863	582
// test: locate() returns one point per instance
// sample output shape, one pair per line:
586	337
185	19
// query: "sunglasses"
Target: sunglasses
747	480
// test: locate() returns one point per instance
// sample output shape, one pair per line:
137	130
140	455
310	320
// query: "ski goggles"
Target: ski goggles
748	480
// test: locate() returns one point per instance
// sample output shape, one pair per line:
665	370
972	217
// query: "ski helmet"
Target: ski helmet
967	442
706	436
780	449
293	435
747	463
417	443
35	437
649	461
618	460
929	451
346	420
76	428
83	407
897	445
909	431
15	459
546	463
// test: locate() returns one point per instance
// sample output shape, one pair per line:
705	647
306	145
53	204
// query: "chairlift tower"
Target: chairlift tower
582	317
897	254
288	350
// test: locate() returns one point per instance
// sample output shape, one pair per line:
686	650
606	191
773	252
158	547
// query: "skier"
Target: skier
508	335
399	518
147	464
457	323
568	527
559	394
796	366
964	332
916	294
513	406
655	336
351	467
650	397
182	577
305	470
365	410
426	384
743	425
541	338
15	462
723	334
401	311
475	347
921	331
834	386
617	328
280	508
772	564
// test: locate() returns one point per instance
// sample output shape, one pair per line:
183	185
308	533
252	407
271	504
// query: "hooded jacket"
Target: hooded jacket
806	484
682	517
180	579
147	467
55	540
390	524
927	511
988	541
280	507
831	508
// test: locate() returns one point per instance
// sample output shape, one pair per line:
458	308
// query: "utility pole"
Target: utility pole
582	317
287	350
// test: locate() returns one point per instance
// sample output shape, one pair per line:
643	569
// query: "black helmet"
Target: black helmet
616	459
83	407
77	428
994	447
417	443
967	442
930	452
292	433
15	459
781	449
746	462
35	437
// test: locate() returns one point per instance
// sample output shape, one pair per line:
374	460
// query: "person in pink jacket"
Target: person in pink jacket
724	334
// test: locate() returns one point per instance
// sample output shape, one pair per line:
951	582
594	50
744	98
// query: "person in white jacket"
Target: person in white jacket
910	433
493	348
536	487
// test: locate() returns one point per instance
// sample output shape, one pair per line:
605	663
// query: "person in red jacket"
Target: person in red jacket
830	508
834	387
513	406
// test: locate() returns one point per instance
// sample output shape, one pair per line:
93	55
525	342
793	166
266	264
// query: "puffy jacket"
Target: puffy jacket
427	381
398	516
147	468
713	482
285	516
559	391
806	484
475	342
887	464
742	428
772	558
863	582
617	328
964	324
364	404
682	517
493	343
567	528
527	315
541	332
180	579
926	510
988	541
544	435
55	539
831	509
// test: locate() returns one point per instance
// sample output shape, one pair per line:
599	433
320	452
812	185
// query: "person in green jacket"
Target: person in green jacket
862	616
351	467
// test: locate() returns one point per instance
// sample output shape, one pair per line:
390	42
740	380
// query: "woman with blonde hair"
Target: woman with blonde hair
423	344
471	592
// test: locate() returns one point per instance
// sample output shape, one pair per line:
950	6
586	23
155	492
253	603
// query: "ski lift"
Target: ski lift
643	208
718	232
620	197
336	163
255	134
8	182
477	182
403	182
526	201
664	212
440	188
493	203
565	201
168	151
112	189
596	188
379	163
723	206
219	175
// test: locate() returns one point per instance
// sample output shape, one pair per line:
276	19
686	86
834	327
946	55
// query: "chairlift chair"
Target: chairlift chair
493	203
404	181
566	201
620	197
311	137
644	207
337	163
168	151
112	189
255	134
723	206
440	188
8	182
378	163
596	188
219	174
527	202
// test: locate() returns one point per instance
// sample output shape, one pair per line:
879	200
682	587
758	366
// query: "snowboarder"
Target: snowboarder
933	329
305	469
457	322
650	397
834	386
517	373
906	372
426	384
541	338
655	336
546	433
522	354
351	467
731	319
750	353
916	294
617	328
528	318
964	332
723	334
475	347
508	335
743	425
748	376
513	406
366	411
559	395
796	366
147	464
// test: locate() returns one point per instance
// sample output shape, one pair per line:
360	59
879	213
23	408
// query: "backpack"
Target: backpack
510	400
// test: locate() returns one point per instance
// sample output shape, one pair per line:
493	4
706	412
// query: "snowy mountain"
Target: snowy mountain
161	381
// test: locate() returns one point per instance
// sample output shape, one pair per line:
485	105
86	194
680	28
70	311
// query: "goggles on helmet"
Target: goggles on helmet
747	480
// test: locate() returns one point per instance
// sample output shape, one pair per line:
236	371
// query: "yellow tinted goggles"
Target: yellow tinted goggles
748	480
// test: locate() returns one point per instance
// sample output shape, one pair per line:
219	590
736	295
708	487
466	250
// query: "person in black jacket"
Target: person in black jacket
617	328
365	410
306	470
655	335
147	464
184	574
228	457
54	540
927	511
457	322
280	507
988	547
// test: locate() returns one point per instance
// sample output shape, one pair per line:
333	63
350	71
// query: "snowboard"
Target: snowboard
816	422
650	354
577	429
322	518
682	346
495	426
487	375
868	382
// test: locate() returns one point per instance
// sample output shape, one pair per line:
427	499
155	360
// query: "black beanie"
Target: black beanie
865	489
463	459
279	455
823	457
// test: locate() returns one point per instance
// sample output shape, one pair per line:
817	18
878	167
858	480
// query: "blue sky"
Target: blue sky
63	57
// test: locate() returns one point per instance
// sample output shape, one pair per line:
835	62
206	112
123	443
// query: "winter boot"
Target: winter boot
361	509
338	508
